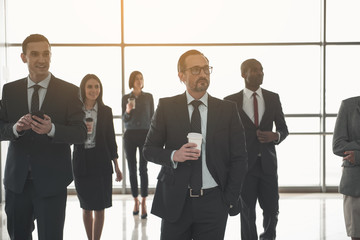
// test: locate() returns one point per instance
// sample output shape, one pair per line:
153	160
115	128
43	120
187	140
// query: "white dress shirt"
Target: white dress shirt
248	104
42	92
207	180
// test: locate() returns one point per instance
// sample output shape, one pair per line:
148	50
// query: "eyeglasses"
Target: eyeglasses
196	70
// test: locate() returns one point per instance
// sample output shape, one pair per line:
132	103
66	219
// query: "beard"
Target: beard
255	81
201	85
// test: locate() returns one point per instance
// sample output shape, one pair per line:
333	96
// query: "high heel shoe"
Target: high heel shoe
136	208
143	211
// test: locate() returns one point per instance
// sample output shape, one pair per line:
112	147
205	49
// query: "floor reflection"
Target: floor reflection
302	216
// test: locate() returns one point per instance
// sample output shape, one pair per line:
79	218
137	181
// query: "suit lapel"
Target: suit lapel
181	112
100	121
23	97
244	117
213	117
268	107
51	93
358	108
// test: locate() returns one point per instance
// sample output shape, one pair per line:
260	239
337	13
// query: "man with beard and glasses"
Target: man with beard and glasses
196	189
259	109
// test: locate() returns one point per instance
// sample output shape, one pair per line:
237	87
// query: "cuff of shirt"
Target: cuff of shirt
16	132
52	131
172	160
277	141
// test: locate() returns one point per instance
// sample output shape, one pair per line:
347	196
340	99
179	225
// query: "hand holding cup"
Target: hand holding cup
89	124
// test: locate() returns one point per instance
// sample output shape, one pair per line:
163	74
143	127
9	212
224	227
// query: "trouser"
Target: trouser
23	208
202	218
261	187
133	140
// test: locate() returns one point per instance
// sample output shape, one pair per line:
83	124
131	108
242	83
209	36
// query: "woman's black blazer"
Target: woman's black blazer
105	149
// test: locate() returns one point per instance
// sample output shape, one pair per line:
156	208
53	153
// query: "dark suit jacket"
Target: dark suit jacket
106	147
226	155
49	158
273	114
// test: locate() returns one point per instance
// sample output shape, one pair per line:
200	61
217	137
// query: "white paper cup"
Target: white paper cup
195	138
132	102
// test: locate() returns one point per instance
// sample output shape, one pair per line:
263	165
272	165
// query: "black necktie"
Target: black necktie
256	113
35	99
196	172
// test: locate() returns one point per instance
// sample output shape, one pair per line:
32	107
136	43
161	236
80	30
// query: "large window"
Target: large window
307	58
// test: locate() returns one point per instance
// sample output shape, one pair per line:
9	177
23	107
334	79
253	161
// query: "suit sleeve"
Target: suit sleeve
341	139
280	122
154	144
73	131
110	134
6	128
239	158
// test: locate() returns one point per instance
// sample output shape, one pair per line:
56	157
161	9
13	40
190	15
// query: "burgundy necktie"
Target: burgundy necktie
256	113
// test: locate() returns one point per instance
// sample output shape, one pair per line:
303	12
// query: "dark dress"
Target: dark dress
93	167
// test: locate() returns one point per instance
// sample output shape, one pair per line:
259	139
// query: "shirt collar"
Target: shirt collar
44	83
203	99
95	108
248	93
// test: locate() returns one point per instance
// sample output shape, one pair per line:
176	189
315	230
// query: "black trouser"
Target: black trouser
23	208
202	218
133	140
264	188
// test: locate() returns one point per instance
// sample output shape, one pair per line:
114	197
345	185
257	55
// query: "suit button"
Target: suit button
231	206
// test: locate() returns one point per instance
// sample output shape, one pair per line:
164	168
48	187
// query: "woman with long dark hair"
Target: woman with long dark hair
92	160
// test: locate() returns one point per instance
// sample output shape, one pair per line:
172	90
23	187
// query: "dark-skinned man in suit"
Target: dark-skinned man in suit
188	210
41	116
259	109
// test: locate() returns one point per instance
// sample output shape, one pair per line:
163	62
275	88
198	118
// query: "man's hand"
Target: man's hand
24	123
350	156
186	152
266	136
41	126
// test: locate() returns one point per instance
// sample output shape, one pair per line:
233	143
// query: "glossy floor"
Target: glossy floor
302	217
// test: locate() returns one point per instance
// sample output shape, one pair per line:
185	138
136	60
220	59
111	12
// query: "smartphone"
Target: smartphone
39	114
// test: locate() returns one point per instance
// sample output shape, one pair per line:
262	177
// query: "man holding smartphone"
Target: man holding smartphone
41	116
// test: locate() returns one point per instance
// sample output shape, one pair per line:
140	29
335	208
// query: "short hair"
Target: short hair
132	78
33	38
248	64
181	63
82	88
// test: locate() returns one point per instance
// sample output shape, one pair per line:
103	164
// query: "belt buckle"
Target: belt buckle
196	195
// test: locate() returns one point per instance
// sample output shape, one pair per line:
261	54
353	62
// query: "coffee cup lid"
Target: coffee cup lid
194	135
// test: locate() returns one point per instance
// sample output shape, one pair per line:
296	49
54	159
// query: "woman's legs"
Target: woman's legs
144	179
132	141
94	222
136	206
130	148
99	217
88	222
